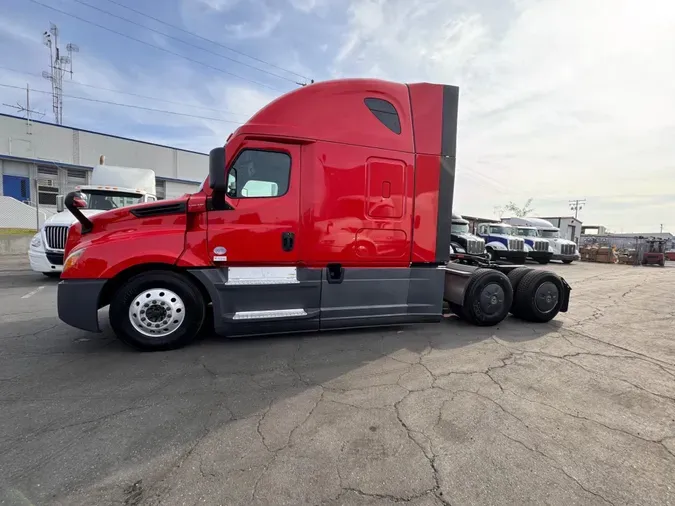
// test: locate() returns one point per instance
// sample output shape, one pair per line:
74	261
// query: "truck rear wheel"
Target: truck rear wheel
538	297
488	298
161	310
516	275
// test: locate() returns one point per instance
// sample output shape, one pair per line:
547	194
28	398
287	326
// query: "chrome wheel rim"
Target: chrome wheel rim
157	312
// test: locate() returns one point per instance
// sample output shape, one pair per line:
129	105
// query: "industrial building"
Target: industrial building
570	227
39	161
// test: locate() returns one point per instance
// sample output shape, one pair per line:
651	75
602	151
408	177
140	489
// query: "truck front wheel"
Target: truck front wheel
160	310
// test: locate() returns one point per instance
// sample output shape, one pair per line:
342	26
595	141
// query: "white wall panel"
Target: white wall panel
77	147
174	189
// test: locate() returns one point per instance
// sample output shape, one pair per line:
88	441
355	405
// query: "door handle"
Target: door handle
287	241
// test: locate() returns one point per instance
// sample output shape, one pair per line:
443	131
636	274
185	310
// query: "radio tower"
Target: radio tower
58	65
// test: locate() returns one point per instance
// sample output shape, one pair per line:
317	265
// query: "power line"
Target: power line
156	47
147	97
175	27
108	102
577	205
184	41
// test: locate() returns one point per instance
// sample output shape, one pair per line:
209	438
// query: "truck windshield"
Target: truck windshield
459	228
550	234
500	229
527	232
106	200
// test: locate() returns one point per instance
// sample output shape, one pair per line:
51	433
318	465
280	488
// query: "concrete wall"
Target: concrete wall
44	141
15	244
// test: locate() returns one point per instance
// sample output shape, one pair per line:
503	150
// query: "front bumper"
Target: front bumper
540	255
77	302
558	256
512	254
40	261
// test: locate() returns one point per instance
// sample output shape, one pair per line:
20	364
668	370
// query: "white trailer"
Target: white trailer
564	250
110	187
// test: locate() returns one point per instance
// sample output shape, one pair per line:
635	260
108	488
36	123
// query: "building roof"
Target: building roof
559	218
101	133
661	235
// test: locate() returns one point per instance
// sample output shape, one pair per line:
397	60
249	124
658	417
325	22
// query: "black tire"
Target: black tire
190	296
520	260
543	261
53	275
488	298
515	276
538	297
567	261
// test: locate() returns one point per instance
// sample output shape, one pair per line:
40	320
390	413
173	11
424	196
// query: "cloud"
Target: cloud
564	98
216	5
231	19
255	29
307	6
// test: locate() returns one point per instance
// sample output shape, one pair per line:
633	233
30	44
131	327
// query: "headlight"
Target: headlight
459	250
36	242
72	259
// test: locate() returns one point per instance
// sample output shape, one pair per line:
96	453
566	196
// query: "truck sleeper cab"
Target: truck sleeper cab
537	249
502	243
330	208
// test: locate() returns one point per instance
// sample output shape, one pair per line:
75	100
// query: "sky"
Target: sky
559	99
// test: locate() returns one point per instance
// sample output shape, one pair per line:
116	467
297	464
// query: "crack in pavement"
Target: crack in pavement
558	466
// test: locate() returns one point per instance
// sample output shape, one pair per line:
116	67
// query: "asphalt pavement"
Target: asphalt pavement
577	411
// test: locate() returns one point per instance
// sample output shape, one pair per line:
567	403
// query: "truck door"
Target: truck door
259	287
262	227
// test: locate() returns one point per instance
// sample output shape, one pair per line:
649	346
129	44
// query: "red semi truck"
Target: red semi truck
330	208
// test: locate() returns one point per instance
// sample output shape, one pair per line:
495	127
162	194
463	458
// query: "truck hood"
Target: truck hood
502	236
467	236
67	218
559	241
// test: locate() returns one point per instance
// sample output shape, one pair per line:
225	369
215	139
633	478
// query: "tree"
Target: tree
519	211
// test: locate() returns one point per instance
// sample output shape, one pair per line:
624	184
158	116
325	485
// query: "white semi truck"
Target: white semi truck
110	187
563	249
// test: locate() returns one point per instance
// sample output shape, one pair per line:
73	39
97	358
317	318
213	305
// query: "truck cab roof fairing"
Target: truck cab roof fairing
336	111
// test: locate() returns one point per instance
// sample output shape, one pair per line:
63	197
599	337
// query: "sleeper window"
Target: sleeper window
385	112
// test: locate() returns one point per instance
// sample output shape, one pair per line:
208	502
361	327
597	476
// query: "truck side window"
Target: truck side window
258	173
385	112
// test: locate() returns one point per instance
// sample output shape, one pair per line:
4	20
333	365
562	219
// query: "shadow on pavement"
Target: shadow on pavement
78	408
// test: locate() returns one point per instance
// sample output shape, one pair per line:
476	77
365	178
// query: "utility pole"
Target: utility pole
661	227
25	109
576	206
58	65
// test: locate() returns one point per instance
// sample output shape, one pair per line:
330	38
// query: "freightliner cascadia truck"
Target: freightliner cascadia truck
330	208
